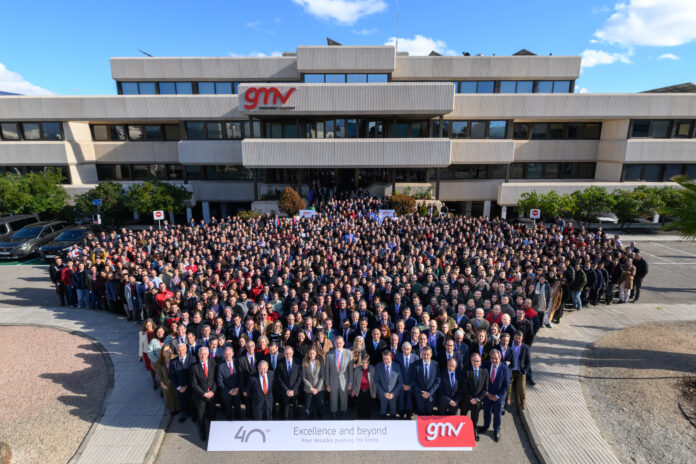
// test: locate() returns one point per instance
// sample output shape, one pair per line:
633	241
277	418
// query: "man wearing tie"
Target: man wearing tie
375	346
227	379
425	382
389	380
461	347
203	391
338	376
495	396
288	376
192	345
450	389
448	354
407	360
475	386
261	391
248	363
179	373
519	366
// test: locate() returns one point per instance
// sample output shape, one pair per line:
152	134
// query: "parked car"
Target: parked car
27	240
607	218
11	224
64	242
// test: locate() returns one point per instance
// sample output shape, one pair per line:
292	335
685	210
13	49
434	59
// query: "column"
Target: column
189	214
437	183
656	218
393	179
136	216
223	210
171	217
256	184
486	208
468	208
206	211
503	212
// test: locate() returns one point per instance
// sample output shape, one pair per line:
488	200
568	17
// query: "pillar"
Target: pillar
468	208
171	217
223	210
189	214
136	216
656	218
486	208
256	184
206	211
503	212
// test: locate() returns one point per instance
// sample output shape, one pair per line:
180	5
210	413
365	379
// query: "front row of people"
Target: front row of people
399	382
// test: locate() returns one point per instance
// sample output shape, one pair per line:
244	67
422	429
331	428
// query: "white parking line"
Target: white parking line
658	257
673	249
673	264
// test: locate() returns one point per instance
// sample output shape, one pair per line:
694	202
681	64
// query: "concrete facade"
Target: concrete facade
394	125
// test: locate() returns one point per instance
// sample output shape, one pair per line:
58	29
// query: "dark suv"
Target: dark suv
64	242
27	240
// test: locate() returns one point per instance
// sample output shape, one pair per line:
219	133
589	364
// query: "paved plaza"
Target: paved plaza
131	427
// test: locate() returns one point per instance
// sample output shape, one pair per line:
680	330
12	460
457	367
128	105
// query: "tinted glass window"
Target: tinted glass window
508	86
51	131
497	171
194	130
31	131
544	87
538	131
234	130
660	129
176	171
129	88
356	78
171	132
135	132
682	129
117	132
691	171
377	78
194	172
592	130
586	170
632	171
147	88
223	87
9	131
516	171
167	88
525	86
460	129
486	86
567	170
402	129
641	128
561	87
101	133
520	131
477	129
290	130
153	133
496	129
335	78
214	130
467	87
204	88
352	128
555	131
314	78
652	172
672	170
28	232
534	170
552	170
185	88
575	131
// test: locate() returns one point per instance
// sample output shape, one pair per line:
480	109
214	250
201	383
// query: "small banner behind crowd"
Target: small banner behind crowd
436	433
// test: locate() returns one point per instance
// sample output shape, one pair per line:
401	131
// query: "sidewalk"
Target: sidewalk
131	425
561	425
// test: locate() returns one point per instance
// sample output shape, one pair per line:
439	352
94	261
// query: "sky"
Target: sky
64	47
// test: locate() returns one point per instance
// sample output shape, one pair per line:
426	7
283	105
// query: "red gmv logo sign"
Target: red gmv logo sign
446	432
261	95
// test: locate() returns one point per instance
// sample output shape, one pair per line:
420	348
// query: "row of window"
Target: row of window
657	172
227	172
27	169
470	129
31	131
557	130
353	78
177	88
136	132
552	170
513	86
662	128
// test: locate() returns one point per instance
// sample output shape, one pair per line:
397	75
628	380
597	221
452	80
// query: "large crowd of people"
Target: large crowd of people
342	314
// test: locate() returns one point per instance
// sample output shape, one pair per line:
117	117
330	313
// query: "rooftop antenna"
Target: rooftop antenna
145	53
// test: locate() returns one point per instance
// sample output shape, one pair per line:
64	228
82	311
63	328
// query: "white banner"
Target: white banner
307	213
437	433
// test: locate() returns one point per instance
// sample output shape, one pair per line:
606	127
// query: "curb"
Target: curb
159	438
109	381
528	425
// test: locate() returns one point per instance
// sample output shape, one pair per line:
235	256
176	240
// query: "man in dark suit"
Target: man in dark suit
248	364
389	382
450	388
425	382
448	354
407	360
436	339
519	367
475	382
203	391
506	325
375	346
227	379
179	376
495	396
261	393
288	376
347	332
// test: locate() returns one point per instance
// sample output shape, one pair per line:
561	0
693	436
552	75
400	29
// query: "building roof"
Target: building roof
687	87
524	52
8	93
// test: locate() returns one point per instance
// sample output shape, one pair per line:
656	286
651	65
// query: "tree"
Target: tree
626	205
590	202
685	211
551	204
156	195
290	202
113	208
34	192
403	204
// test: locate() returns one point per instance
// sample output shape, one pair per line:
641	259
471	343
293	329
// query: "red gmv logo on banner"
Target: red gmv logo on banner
446	432
254	96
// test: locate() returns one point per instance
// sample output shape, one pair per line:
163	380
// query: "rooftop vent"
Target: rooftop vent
524	52
687	87
332	42
434	53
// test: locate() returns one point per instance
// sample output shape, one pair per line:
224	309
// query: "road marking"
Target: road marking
673	264
658	257
673	249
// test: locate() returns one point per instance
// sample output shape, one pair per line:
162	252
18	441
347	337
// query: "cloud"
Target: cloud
660	23
14	83
258	26
668	56
420	45
592	58
343	11
583	90
600	9
255	54
365	31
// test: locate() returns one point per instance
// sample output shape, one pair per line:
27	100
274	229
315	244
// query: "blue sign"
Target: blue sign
96	202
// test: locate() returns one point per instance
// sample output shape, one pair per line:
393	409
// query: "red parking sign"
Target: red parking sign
158	215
